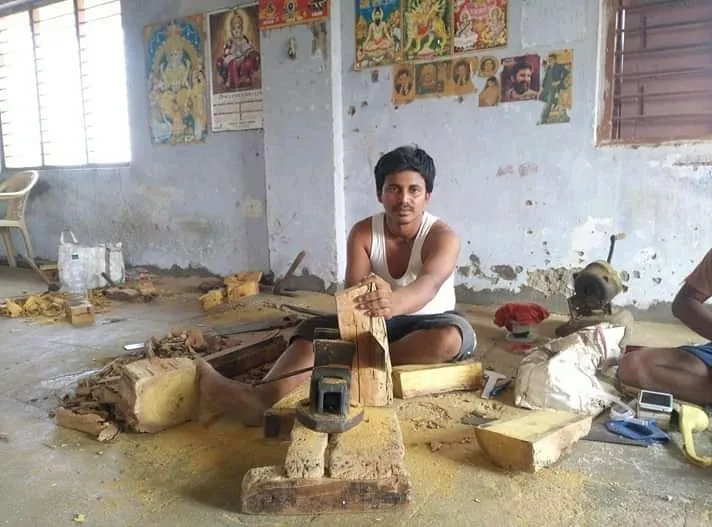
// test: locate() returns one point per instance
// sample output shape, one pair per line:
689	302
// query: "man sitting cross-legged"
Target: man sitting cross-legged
686	371
410	255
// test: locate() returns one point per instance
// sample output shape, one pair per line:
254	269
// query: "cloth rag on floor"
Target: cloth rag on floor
511	314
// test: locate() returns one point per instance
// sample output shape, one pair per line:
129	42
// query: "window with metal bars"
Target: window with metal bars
658	71
63	97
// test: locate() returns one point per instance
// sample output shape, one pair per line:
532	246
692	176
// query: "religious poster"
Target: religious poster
282	13
557	86
403	84
236	74
427	29
431	79
378	33
461	73
489	67
479	24
490	94
177	88
520	78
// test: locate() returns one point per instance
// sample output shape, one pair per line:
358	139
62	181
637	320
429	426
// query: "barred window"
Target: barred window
658	71
63	97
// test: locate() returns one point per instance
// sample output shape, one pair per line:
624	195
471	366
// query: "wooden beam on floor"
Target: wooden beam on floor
427	379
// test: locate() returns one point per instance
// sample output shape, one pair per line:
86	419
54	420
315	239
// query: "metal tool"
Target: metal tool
595	287
329	408
279	286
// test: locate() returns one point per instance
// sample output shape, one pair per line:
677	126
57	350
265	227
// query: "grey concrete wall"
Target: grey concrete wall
532	202
199	205
304	153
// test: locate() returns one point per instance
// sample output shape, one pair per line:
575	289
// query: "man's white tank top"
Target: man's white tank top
444	300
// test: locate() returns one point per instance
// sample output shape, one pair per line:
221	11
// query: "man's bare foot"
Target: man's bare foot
220	395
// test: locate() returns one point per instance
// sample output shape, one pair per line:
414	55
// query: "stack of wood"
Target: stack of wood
48	305
231	289
154	388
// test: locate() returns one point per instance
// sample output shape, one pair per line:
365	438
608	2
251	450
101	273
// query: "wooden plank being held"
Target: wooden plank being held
533	441
371	382
426	379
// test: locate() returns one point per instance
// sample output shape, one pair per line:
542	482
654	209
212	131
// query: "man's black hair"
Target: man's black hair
405	158
519	66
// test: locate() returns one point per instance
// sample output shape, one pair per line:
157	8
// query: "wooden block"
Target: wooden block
533	441
279	419
416	380
92	424
122	294
242	285
371	382
370	451
80	315
211	299
305	455
157	393
250	354
267	490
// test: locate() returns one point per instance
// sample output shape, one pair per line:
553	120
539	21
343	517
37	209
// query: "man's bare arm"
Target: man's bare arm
439	261
689	307
358	263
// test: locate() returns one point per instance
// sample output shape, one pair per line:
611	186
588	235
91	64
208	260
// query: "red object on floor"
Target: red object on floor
632	348
522	314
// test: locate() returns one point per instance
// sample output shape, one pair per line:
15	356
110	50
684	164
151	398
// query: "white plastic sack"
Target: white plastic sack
561	375
101	258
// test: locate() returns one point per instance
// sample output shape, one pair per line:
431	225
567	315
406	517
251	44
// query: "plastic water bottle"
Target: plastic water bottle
76	280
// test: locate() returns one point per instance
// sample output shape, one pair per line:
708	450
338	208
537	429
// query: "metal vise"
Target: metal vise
329	408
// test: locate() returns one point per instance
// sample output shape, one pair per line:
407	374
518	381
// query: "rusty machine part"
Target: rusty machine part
596	286
329	408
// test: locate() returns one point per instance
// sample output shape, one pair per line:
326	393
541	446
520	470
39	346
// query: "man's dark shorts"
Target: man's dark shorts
400	326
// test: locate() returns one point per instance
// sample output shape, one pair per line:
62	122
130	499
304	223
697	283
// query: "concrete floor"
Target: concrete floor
191	475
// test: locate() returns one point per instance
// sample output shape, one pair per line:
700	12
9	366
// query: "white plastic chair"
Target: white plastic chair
14	191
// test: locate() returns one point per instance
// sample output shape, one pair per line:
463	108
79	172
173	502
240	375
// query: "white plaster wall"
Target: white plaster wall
537	197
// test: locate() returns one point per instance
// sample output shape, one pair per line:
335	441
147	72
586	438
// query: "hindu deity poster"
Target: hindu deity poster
177	89
479	24
557	86
427	29
236	73
281	13
378	33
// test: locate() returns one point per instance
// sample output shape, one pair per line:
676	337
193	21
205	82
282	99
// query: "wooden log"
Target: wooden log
426	379
534	441
373	450
92	424
279	419
371	382
250	354
157	393
242	285
305	455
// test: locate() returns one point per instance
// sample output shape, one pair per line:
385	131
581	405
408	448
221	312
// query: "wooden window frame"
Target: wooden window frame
605	108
